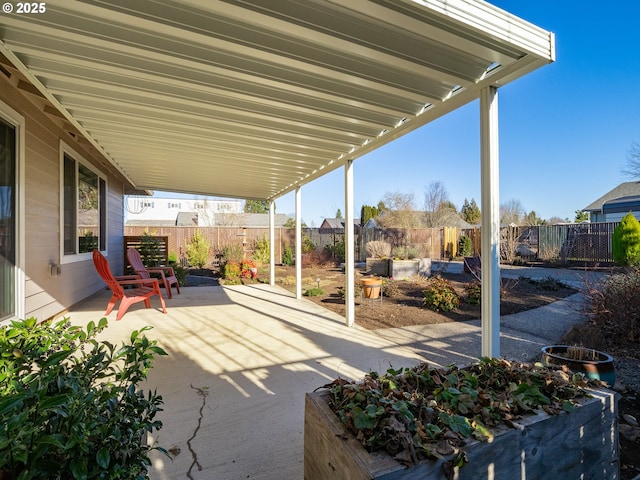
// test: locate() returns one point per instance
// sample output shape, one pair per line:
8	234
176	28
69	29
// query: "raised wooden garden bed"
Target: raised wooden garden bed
580	444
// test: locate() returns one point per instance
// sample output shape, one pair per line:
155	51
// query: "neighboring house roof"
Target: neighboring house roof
626	189
187	219
622	205
371	223
456	221
337	223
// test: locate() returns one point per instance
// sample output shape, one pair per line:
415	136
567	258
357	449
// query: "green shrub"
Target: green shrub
313	292
473	292
390	288
231	270
307	244
357	289
181	274
261	249
465	247
405	253
625	242
287	256
440	295
149	250
198	250
336	251
70	406
172	258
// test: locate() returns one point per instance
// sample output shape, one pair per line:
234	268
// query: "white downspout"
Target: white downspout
490	250
349	250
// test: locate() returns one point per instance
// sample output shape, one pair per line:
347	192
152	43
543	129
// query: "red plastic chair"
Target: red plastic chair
167	276
145	288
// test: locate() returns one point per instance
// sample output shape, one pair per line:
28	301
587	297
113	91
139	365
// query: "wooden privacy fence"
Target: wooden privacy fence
218	237
154	250
427	241
584	244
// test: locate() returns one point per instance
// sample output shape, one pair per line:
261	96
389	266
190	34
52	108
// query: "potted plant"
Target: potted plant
70	406
494	417
592	363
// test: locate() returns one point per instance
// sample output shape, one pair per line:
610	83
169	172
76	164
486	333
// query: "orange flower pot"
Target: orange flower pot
371	287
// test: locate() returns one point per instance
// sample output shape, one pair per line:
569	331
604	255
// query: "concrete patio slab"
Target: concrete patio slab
242	358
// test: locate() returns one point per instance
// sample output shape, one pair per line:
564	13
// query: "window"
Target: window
84	208
174	205
8	176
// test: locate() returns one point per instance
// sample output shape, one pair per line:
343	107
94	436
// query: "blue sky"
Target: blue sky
565	129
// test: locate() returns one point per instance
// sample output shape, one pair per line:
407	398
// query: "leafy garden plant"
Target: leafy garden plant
405	253
70	407
425	412
261	251
440	296
287	256
390	288
198	250
313	292
473	291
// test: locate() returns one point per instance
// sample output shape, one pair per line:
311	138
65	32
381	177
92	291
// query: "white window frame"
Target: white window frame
67	150
12	117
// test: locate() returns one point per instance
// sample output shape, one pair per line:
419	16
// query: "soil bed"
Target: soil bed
407	307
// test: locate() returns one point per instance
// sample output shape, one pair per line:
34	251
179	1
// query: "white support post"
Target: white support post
298	244
490	250
272	241
349	250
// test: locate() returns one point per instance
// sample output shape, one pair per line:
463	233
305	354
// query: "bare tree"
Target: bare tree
399	210
511	212
436	204
557	220
633	161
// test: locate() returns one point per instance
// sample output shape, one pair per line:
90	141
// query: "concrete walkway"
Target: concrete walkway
242	358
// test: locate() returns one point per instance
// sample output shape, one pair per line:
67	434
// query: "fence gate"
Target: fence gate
450	242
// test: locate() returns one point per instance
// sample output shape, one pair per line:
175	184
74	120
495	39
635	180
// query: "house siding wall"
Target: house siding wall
46	297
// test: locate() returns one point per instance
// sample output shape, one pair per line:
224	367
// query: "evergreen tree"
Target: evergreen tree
470	212
532	218
581	216
625	242
256	206
339	214
367	212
